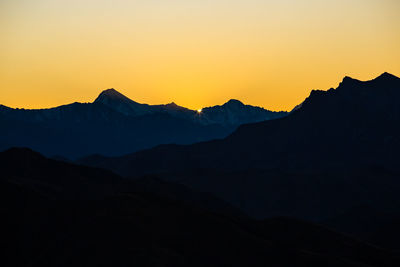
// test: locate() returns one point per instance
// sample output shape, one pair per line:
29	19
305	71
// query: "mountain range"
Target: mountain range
115	125
319	186
336	151
61	214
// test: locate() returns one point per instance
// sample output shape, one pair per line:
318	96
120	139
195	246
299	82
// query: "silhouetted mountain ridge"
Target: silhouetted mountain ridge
121	103
48	223
235	112
338	150
115	125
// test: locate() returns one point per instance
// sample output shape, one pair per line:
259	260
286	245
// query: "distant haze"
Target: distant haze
194	53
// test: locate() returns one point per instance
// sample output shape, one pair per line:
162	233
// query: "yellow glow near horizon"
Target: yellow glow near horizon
193	53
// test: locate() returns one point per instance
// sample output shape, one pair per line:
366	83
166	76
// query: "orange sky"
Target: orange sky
195	53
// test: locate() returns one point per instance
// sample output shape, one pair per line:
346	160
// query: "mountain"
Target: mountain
115	125
118	102
368	224
337	150
230	114
235	112
61	214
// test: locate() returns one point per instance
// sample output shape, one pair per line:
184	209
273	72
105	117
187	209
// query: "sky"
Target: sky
194	53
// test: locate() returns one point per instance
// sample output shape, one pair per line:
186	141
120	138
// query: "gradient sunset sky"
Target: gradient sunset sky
195	53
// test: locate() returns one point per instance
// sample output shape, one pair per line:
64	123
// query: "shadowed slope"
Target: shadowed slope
338	150
124	227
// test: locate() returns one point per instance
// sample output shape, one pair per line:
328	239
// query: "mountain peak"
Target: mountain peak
117	101
387	77
110	94
24	153
348	79
174	107
234	102
348	82
172	104
384	77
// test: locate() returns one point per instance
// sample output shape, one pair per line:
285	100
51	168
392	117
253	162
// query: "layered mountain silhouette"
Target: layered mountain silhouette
336	151
61	214
115	125
319	186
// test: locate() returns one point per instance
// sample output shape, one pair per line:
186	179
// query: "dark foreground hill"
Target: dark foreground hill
115	125
339	149
60	214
